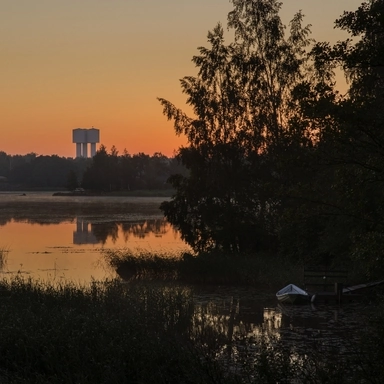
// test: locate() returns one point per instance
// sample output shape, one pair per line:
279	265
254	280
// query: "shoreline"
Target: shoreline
166	193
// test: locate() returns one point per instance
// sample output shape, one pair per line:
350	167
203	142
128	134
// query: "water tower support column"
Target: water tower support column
78	150
85	149
93	149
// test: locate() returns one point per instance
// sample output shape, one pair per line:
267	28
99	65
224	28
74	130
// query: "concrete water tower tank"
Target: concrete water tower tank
82	137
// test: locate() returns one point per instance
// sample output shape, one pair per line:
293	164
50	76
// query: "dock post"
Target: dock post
339	291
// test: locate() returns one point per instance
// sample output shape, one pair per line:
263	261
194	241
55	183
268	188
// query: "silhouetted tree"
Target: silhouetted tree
241	99
339	212
98	175
4	164
359	143
111	172
72	182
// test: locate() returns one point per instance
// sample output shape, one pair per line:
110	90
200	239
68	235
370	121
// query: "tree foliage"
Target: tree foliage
106	171
241	99
278	159
110	172
360	140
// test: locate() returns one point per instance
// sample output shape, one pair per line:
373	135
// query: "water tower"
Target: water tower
82	137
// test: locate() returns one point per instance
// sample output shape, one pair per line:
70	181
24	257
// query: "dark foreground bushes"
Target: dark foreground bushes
208	268
102	334
113	332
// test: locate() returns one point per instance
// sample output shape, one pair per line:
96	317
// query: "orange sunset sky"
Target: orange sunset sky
69	64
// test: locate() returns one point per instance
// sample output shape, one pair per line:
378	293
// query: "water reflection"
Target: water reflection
83	233
67	245
238	317
88	232
240	322
71	247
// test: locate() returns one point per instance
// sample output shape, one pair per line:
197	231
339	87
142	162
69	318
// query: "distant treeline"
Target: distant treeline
107	171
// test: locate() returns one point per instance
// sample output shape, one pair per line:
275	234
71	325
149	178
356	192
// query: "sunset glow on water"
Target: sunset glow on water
71	250
67	247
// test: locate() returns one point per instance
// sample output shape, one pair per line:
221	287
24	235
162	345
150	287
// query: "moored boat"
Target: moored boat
292	294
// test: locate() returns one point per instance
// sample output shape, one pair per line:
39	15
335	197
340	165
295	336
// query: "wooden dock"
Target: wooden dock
334	298
344	295
329	285
361	287
323	279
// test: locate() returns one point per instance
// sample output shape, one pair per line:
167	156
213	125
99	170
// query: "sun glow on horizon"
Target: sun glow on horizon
103	64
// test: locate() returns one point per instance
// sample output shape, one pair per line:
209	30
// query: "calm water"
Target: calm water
62	238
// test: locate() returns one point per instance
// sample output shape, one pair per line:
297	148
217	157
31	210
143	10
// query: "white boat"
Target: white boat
292	294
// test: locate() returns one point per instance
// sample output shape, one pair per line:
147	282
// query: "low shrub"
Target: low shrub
206	268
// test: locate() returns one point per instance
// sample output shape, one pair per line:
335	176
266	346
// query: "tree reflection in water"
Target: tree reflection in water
102	231
89	231
235	329
45	233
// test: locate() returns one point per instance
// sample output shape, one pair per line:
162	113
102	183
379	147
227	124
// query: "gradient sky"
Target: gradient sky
80	63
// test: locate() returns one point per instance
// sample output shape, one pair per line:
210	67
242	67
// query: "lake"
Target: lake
62	238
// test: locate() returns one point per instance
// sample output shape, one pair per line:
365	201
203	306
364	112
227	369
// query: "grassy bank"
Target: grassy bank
144	333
